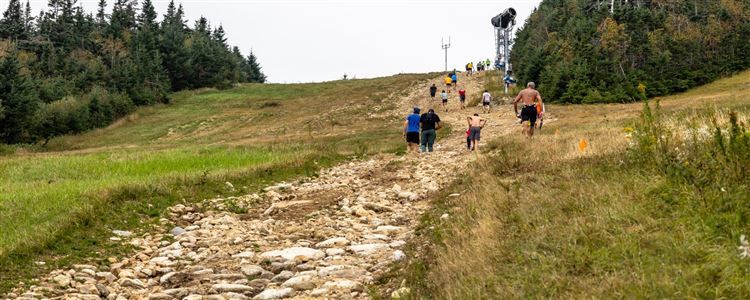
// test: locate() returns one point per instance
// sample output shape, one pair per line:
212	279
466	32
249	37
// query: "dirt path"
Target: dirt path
316	238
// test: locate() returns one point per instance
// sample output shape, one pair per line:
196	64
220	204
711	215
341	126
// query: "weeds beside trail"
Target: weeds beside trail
652	208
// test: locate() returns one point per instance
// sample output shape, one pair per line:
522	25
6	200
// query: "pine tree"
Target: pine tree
219	36
20	102
101	14
172	48
255	73
12	26
28	20
147	57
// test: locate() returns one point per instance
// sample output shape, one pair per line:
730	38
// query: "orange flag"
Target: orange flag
582	144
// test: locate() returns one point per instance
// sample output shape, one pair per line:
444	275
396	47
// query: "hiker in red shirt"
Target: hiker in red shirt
462	97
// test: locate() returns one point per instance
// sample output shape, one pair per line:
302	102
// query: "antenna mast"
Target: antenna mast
446	47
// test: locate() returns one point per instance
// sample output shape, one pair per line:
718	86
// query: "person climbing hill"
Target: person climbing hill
448	82
433	91
462	97
476	123
454	80
430	122
411	131
531	100
486	101
444	97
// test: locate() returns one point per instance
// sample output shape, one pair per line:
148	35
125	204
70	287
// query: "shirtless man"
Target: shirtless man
531	98
475	128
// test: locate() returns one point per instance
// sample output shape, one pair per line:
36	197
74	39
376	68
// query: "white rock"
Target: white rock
122	233
344	285
337	241
295	253
367	249
388	228
319	292
62	280
177	231
406	195
376	237
399	255
270	294
165	278
444	217
134	283
251	270
335	251
300	283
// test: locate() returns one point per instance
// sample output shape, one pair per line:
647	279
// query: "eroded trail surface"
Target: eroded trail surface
325	237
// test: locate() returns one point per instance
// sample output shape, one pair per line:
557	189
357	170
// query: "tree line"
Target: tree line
588	51
66	71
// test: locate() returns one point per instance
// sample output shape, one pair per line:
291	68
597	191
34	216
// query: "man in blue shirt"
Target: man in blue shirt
411	131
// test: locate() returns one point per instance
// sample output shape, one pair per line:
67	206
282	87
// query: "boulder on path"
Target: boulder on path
270	294
295	253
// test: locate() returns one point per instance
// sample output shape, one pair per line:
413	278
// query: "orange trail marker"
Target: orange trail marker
582	145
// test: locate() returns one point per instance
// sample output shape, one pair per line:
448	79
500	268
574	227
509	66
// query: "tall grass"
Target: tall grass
653	208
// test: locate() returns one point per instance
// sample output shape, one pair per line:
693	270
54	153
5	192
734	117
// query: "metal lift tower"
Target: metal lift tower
504	24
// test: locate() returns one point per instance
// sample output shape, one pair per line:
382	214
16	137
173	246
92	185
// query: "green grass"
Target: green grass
621	219
60	202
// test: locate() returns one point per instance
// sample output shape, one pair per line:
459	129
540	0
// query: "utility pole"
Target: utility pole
446	47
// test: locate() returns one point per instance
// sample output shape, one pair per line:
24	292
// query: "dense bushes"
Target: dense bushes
582	51
74	115
68	71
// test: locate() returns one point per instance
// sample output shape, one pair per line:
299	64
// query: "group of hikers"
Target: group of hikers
420	129
478	67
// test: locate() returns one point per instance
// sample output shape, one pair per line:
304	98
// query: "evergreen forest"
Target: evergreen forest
65	71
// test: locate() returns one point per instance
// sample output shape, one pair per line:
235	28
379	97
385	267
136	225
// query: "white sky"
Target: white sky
320	40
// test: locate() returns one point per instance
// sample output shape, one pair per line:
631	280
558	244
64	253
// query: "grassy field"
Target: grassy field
652	206
59	203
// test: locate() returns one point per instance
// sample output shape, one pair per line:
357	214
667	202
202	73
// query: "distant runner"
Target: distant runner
411	131
448	82
531	99
430	122
487	63
462	97
454	79
486	101
444	96
433	91
475	128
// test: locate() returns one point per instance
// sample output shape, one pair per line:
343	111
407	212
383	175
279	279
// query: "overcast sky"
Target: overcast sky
320	40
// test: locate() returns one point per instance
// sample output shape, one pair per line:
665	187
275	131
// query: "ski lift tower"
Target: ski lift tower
504	24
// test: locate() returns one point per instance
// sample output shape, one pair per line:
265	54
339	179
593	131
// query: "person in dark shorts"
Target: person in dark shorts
530	98
430	122
462	97
411	131
433	91
476	123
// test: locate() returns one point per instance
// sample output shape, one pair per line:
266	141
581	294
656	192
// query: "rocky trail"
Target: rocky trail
326	237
